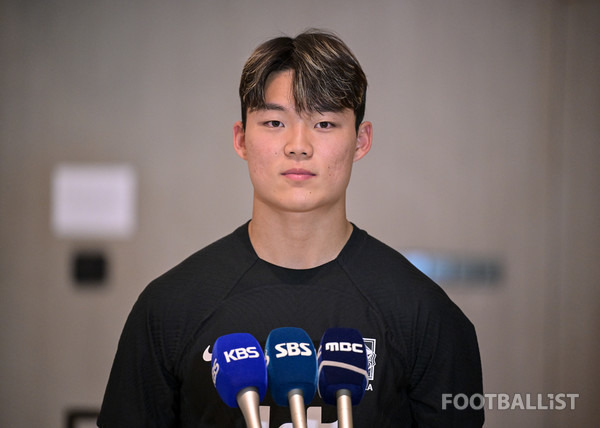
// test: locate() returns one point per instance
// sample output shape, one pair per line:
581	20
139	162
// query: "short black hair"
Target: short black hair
326	74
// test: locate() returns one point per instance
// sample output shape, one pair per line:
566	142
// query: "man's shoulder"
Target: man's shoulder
406	297
387	277
375	262
205	275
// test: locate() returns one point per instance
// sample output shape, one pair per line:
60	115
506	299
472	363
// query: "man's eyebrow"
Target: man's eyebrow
273	106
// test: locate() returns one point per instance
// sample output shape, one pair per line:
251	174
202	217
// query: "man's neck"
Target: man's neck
299	240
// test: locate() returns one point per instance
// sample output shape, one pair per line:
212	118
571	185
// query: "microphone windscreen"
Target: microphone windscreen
238	362
291	364
343	364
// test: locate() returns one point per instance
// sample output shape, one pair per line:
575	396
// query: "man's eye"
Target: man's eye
324	125
274	124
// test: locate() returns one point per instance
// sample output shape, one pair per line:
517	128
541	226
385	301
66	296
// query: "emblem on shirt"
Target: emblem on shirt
371	357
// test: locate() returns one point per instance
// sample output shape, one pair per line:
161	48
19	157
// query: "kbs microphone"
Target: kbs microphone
343	375
292	370
239	373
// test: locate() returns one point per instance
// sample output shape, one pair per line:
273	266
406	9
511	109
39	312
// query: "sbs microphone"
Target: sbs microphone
239	373
343	371
292	370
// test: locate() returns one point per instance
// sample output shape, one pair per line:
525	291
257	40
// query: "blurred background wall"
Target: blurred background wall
487	143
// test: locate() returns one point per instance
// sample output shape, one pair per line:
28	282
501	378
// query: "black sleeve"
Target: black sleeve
141	390
445	363
144	386
434	343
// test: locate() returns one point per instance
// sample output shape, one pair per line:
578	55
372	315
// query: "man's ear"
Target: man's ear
364	138
239	140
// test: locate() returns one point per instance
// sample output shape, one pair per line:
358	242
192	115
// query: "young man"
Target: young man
298	262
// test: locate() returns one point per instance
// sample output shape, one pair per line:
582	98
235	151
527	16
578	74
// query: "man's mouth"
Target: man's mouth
298	174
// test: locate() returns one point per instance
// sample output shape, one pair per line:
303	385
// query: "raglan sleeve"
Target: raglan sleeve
445	364
141	389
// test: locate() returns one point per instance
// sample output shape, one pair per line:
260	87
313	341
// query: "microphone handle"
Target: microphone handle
248	401
344	409
296	400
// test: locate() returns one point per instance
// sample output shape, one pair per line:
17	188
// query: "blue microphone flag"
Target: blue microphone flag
343	364
238	362
291	364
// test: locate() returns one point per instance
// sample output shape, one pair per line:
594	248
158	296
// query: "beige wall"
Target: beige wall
487	141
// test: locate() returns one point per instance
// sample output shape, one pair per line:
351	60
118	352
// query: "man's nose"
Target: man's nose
298	142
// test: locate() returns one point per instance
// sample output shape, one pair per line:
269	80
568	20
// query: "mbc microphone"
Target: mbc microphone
343	371
239	373
292	370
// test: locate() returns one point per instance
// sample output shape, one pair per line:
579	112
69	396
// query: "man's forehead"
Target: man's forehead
293	108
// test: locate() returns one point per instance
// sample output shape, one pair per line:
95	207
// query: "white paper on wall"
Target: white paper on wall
94	201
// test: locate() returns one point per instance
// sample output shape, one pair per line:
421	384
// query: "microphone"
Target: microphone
239	373
343	371
292	370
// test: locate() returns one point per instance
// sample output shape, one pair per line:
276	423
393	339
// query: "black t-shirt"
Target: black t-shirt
420	345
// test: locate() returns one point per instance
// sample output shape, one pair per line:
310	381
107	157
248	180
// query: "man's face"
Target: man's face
299	162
